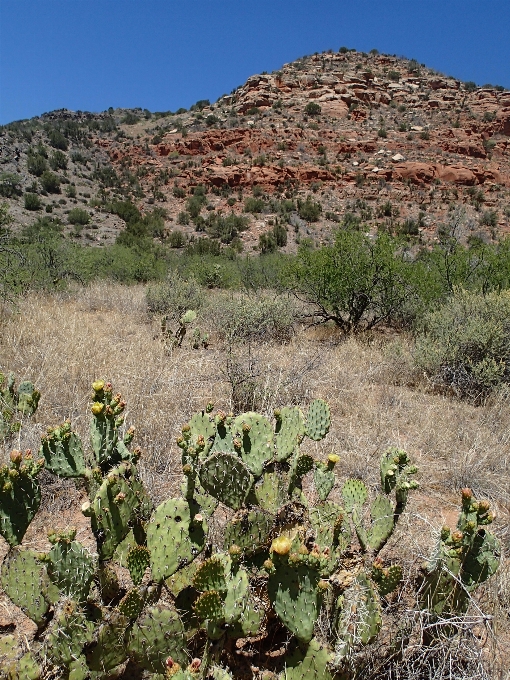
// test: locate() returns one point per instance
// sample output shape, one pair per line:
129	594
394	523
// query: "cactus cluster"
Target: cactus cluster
283	558
15	403
175	338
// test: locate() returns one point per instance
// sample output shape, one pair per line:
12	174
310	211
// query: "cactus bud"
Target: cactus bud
119	498
277	414
86	509
98	385
303	550
16	457
13	473
445	533
457	536
268	565
483	507
108	387
237	444
187	469
181	443
198	518
281	545
209	407
234	550
323	585
246	428
97	408
333	459
194	666
185	428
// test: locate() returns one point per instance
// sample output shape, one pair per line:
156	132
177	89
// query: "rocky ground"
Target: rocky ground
385	139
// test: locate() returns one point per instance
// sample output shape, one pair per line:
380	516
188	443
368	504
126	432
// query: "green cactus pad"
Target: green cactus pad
249	529
20	497
250	621
201	425
26	668
132	604
310	662
157	635
270	491
293	591
78	669
237	595
386	579
71	568
256	436
330	526
213	574
223	441
354	494
138	559
182	578
382	525
113	508
290	430
28	398
318	420
227	478
62	450
24	579
108	649
175	536
108	583
70	631
219	673
210	606
360	617
324	480
482	560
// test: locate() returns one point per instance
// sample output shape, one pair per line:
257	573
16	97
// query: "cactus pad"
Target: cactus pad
138	559
318	420
290	430
175	536
157	635
227	478
213	574
324	480
108	649
71	568
249	530
309	663
132	604
382	525
210	606
386	579
24	579
20	496
256	436
360	617
354	493
70	631
270	491
62	450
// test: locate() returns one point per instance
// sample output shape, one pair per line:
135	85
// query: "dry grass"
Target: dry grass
63	342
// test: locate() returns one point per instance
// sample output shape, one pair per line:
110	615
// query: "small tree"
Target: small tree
312	109
32	202
50	182
78	216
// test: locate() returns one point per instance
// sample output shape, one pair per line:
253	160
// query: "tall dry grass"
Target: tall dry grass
62	342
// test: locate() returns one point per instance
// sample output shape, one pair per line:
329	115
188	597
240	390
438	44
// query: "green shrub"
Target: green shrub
57	140
178	192
226	228
489	218
466	343
32	202
10	184
36	164
309	209
58	160
50	182
176	239
78	216
253	205
174	296
70	191
312	109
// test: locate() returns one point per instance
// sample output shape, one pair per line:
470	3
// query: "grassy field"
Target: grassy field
63	342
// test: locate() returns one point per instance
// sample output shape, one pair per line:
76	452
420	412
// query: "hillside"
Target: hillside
330	138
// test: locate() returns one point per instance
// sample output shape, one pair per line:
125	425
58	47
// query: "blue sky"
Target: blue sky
163	54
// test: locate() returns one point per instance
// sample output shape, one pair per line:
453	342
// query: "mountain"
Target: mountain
331	138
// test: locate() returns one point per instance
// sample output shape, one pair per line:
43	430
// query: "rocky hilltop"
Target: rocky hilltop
330	138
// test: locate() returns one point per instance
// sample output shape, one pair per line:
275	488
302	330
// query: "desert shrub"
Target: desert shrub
36	164
179	192
194	205
176	239
57	140
174	296
78	216
489	218
226	228
312	109
58	160
309	209
32	202
50	182
253	205
466	343
255	317
10	184
70	191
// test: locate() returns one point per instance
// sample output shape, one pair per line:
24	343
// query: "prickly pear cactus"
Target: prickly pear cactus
324	476
70	566
386	578
318	419
249	530
23	400
157	635
70	631
310	662
138	559
175	537
289	432
108	648
62	451
24	579
464	559
20	495
227	478
254	435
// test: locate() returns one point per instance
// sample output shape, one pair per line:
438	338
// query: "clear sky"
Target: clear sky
164	54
